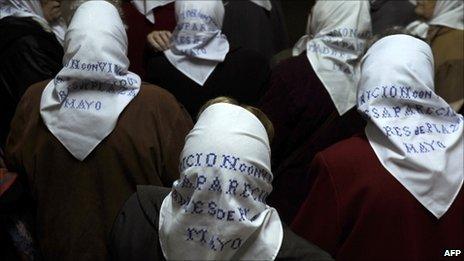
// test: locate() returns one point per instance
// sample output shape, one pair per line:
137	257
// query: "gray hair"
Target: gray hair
69	7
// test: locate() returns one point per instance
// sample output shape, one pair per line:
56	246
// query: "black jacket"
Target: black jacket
28	55
243	76
135	231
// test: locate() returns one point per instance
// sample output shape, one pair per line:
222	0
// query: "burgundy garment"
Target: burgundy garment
138	29
306	122
357	210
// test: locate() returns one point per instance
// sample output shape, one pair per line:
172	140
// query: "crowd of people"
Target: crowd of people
193	130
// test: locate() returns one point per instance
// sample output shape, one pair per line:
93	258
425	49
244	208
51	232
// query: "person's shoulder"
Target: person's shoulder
296	65
33	94
349	152
154	93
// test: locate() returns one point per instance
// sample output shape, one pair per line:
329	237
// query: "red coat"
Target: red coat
357	210
138	29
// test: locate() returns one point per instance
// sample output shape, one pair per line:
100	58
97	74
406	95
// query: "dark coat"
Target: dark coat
243	76
135	232
28	54
357	210
305	122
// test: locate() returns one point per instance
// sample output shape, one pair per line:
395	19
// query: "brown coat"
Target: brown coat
448	51
77	202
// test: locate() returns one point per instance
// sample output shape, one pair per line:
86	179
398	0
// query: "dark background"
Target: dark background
296	15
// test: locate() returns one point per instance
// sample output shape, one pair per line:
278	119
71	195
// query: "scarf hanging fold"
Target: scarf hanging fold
82	104
216	209
336	36
415	134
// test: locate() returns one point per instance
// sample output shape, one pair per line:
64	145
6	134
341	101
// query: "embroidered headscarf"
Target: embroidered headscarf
415	134
449	13
81	106
217	209
336	36
146	7
197	44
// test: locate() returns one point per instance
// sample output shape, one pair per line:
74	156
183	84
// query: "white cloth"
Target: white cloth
33	9
336	38
415	134
418	28
216	209
266	4
146	7
449	13
197	44
82	104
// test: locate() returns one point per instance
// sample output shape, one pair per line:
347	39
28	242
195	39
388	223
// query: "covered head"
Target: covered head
336	37
197	43
82	104
217	208
33	9
415	134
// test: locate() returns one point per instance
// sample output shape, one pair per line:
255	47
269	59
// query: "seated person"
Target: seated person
442	25
394	193
83	141
216	210
256	25
201	64
30	51
387	14
143	17
311	96
446	36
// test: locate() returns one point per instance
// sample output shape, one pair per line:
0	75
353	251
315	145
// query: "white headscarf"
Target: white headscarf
217	209
449	13
146	7
266	4
415	134
197	44
82	104
33	9
336	37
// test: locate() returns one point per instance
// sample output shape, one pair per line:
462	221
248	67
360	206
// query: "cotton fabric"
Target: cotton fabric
357	210
415	134
197	44
33	9
217	209
94	86
146	7
75	199
336	35
448	13
137	225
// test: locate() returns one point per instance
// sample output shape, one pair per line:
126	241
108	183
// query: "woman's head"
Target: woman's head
425	8
262	117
